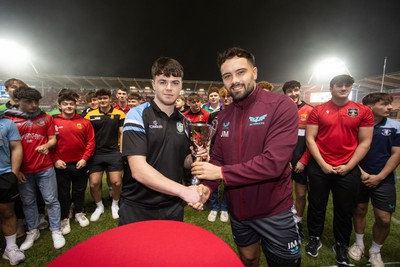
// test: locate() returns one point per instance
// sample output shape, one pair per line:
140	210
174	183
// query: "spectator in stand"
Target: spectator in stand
213	120
10	163
91	102
196	113
180	104
338	136
37	131
214	101
133	100
301	157
75	145
156	146
266	86
378	177
107	124
122	100
254	143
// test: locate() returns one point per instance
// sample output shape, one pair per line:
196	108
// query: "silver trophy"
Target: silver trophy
199	135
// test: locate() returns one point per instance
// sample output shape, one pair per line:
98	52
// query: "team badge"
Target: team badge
386	132
41	122
179	127
303	117
352	112
79	126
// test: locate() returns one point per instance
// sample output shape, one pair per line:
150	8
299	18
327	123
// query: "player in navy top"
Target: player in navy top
378	178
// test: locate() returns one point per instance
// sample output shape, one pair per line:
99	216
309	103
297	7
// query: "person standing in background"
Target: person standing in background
338	136
37	132
301	157
75	145
10	163
378	179
213	120
214	100
107	123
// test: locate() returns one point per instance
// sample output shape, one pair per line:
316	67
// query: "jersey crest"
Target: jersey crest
352	112
179	127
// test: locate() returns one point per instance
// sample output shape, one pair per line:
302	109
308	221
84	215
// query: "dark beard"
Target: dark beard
243	96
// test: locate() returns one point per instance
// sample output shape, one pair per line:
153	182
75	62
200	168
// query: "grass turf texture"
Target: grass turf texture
43	252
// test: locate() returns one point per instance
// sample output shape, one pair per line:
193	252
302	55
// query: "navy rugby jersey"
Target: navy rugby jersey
386	135
149	132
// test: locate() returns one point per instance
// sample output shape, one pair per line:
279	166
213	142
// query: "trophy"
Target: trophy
199	135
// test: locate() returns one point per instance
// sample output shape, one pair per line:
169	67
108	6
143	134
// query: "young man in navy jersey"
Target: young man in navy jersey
377	179
156	147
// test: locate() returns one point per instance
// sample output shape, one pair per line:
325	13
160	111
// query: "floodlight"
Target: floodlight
328	68
14	56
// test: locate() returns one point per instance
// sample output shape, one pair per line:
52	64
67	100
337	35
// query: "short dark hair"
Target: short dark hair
103	92
90	95
343	78
135	96
26	92
373	98
235	52
67	95
290	85
167	66
193	97
123	88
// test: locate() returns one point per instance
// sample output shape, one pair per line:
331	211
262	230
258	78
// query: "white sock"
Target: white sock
375	248
10	240
360	240
100	204
115	202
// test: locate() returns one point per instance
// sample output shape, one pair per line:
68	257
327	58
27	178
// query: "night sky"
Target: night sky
123	38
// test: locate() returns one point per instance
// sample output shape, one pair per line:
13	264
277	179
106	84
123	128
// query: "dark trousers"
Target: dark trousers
78	178
345	191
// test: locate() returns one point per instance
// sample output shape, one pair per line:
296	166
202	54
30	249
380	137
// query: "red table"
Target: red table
151	243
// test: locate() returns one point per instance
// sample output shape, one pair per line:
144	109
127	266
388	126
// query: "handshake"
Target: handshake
196	196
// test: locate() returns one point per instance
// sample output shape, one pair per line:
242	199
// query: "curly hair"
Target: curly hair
27	93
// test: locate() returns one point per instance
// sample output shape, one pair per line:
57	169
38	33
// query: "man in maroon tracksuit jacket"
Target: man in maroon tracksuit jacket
255	139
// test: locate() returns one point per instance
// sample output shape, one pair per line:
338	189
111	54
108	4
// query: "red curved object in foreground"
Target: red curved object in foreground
151	243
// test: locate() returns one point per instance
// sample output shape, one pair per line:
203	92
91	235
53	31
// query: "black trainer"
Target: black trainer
313	246
340	251
300	229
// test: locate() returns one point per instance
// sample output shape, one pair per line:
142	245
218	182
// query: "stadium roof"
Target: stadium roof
363	86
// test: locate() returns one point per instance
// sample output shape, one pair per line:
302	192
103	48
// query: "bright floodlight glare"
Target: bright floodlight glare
328	68
12	55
